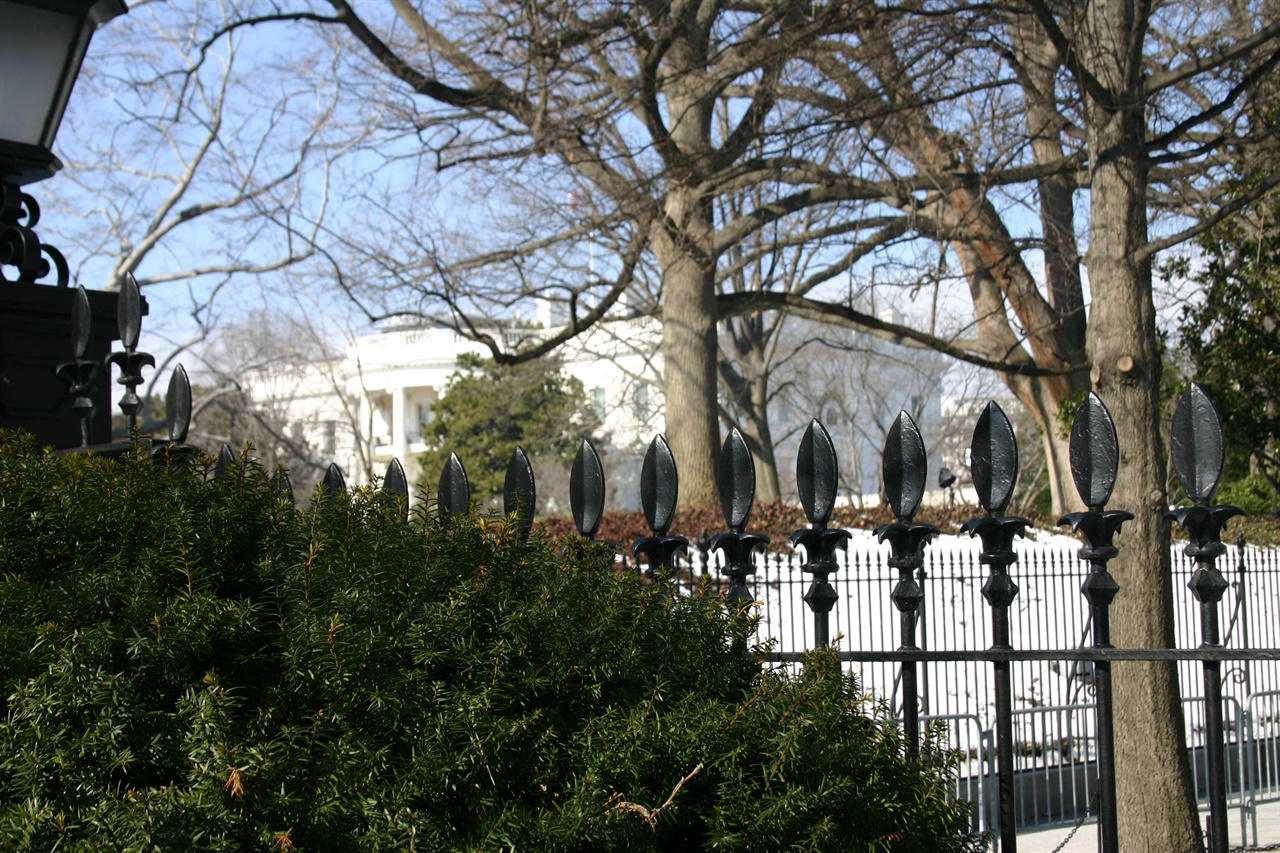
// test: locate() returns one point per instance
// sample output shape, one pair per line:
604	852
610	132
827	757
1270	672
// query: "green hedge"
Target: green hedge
189	664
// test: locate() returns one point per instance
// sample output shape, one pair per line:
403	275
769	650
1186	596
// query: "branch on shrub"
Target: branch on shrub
651	817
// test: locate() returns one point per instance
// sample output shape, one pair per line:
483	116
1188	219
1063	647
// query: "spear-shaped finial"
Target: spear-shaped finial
81	372
659	487
817	475
736	478
130	362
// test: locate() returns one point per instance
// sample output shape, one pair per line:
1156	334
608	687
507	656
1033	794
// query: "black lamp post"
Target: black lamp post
42	43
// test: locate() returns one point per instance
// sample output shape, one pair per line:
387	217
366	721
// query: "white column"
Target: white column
399	436
364	427
359	426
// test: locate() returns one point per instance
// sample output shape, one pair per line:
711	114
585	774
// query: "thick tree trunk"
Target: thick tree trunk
689	352
682	243
1157	810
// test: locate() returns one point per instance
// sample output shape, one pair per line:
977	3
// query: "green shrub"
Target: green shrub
1252	494
188	664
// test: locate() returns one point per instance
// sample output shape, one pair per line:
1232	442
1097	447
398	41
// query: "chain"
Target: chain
1193	848
1085	815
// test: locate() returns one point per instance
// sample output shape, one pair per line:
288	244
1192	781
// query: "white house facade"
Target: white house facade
372	404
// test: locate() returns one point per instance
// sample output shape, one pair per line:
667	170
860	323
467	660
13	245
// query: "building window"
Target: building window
329	440
597	402
421	417
640	402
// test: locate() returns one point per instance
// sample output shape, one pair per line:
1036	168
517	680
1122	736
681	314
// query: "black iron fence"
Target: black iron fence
1053	707
1032	749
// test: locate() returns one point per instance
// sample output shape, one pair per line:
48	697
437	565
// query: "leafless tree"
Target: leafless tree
271	378
932	125
856	384
197	166
864	124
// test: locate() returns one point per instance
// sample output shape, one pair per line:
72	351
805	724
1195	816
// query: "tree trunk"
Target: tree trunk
1041	395
1157	810
760	438
689	352
745	372
1043	400
682	243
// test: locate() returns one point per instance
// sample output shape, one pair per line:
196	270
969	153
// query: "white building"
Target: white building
371	404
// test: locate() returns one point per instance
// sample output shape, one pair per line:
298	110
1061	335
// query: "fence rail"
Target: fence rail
1053	708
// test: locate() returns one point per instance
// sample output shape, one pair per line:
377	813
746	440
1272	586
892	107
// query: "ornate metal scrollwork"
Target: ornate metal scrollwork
20	246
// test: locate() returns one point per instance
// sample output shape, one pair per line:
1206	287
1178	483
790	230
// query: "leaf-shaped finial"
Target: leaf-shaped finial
333	481
519	494
659	486
994	459
395	485
282	487
586	490
129	312
1095	452
1196	444
904	464
177	405
736	478
81	323
817	474
226	457
454	492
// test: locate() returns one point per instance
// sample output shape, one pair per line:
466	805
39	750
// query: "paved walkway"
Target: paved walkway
1086	839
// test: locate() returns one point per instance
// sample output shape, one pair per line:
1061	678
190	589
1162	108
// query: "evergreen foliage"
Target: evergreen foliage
488	409
187	663
1232	339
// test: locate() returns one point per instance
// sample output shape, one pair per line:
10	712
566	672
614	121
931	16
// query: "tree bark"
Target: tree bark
689	353
1157	809
759	437
682	243
1042	396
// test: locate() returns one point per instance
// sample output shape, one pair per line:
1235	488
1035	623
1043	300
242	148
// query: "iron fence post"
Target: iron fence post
1095	457
994	455
1197	449
736	479
130	361
1208	586
816	475
903	466
81	373
520	492
659	488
